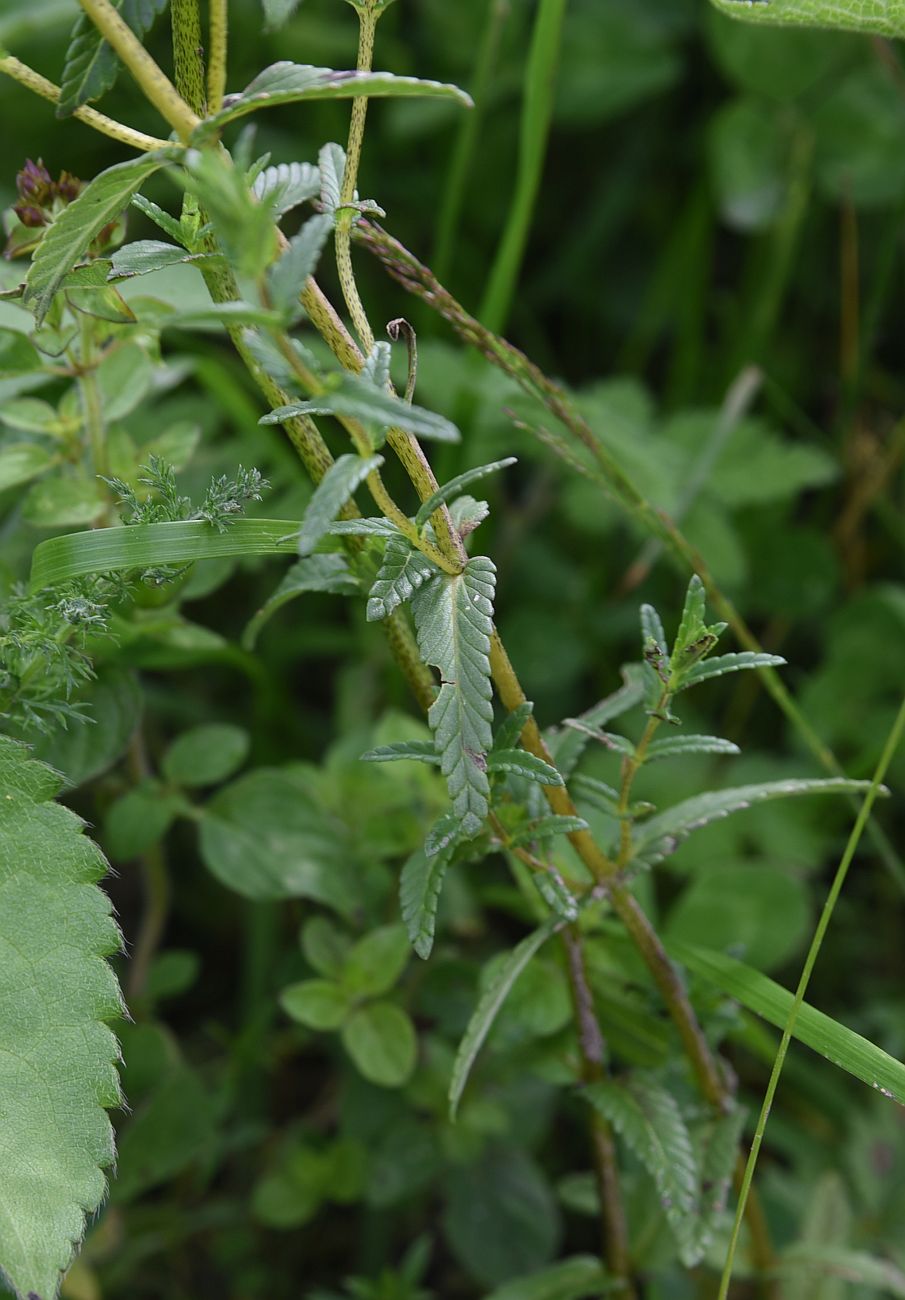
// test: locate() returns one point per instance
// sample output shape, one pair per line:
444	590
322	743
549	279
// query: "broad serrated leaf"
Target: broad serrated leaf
520	763
880	17
327	573
403	570
68	239
57	1056
542	828
454	621
376	369
353	397
331	494
729	663
147	255
660	836
420	751
455	486
820	1032
421	882
331	164
292	83
492	999
555	893
716	1148
673	746
286	277
91	65
512	726
155	213
287	185
648	1118
692	620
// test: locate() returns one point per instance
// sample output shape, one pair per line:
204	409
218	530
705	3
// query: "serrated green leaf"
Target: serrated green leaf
353	397
376	368
287	276
520	763
91	65
542	828
455	485
169	225
58	1057
326	573
381	1040
673	746
147	255
331	494
277	13
331	164
403	570
648	1118
421	883
454	621
729	663
138	546
652	629
820	1032
287	185
420	751
609	739
552	889
375	527
597	793
292	83
692	621
68	239
657	838
881	17
492	999
717	1149
570	743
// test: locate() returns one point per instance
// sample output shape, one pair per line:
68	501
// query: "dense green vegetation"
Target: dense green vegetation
459	897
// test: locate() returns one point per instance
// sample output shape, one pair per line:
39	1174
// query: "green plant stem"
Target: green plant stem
92	406
467	138
26	76
614	1227
218	27
188	65
534	128
893	741
630	768
155	885
367	25
421	282
154	82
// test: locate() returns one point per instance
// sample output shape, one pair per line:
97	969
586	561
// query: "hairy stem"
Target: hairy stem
92	406
33	81
157	87
216	58
367	24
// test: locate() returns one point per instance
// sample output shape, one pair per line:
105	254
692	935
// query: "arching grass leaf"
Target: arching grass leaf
57	1056
454	620
662	834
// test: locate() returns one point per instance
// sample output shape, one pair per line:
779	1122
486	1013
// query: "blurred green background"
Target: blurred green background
715	196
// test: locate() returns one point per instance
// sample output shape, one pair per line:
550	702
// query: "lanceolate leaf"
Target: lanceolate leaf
492	999
512	726
660	836
571	743
287	185
673	746
520	763
356	399
420	751
288	275
331	494
648	1118
146	255
289	83
731	663
420	885
880	17
328	573
766	998
57	1056
70	236
543	827
403	571
140	546
454	621
455	486
91	65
